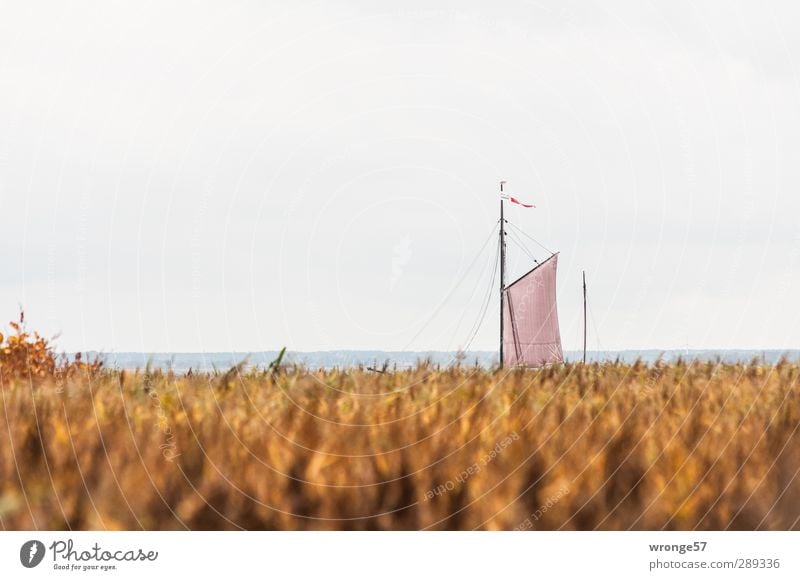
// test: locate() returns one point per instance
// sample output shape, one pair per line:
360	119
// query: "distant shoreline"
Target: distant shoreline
208	361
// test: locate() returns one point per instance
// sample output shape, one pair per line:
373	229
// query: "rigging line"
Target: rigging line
476	325
514	332
487	301
522	246
579	337
534	240
487	271
479	322
594	326
455	286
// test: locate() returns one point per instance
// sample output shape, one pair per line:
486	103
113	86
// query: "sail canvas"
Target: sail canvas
531	336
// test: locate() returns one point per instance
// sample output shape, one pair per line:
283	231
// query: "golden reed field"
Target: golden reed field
602	446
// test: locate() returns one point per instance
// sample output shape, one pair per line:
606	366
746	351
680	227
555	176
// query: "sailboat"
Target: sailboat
529	330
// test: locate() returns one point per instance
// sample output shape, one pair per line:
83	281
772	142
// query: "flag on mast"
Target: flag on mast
529	331
512	199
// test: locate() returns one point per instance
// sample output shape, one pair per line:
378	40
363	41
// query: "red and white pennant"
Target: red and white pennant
512	199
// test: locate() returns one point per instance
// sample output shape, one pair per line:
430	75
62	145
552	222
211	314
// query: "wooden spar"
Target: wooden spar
502	269
584	317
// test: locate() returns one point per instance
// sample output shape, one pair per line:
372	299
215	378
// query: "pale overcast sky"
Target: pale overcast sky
246	175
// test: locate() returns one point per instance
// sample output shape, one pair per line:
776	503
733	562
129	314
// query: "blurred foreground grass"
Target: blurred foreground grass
603	446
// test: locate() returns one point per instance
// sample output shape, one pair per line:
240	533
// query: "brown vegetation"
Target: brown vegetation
605	446
29	355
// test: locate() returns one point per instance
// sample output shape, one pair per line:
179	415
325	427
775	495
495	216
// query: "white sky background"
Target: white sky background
243	176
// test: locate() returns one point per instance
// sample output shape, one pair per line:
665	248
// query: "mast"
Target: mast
502	269
584	317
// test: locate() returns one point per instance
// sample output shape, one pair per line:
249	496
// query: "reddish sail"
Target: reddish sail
531	336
